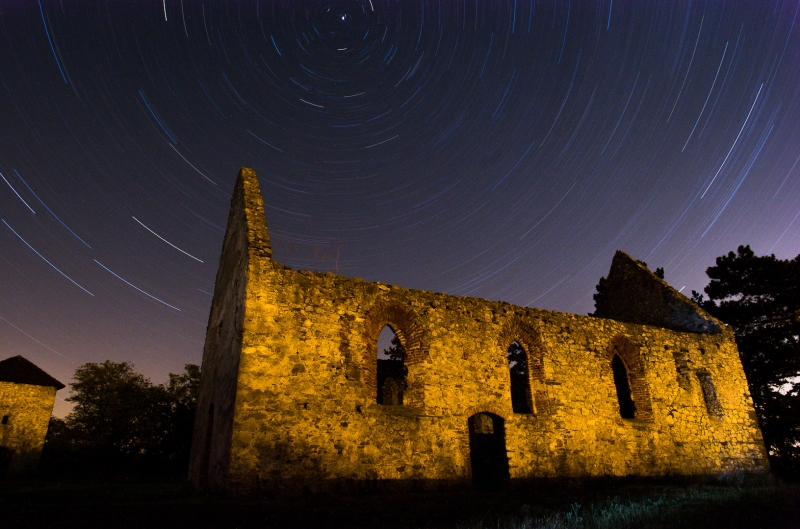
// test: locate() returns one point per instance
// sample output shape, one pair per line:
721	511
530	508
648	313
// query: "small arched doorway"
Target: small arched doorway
487	450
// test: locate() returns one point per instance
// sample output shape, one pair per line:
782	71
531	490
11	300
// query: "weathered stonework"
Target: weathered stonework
27	395
288	392
636	295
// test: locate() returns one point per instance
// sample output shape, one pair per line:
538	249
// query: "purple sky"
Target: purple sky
494	149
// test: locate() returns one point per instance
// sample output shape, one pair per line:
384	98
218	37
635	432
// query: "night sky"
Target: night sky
498	149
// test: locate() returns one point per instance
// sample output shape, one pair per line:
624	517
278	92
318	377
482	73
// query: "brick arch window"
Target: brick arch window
627	368
486	409
392	371
404	322
526	337
627	408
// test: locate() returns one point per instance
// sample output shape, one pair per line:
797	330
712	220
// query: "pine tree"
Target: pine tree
759	297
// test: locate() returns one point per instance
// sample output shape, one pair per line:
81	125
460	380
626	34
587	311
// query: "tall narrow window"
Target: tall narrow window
627	409
682	366
391	368
520	380
710	395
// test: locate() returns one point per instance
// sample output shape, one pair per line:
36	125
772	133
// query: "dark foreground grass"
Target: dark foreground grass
599	504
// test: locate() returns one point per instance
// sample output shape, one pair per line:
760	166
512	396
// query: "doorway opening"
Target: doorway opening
487	451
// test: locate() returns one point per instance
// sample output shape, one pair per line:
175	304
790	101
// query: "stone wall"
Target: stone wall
24	416
246	241
304	397
632	293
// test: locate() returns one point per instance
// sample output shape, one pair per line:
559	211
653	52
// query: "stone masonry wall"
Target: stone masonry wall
26	409
305	408
635	295
244	241
303	412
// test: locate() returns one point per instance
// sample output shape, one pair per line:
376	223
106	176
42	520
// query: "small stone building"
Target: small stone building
27	395
650	385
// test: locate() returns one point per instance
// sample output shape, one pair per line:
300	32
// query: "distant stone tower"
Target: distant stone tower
485	392
27	395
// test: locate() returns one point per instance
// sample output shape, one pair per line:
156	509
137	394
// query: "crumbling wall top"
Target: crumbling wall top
634	294
257	233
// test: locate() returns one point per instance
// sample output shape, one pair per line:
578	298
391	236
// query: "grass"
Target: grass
587	505
690	507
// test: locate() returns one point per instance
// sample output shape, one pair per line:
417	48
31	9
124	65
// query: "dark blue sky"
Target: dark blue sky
499	149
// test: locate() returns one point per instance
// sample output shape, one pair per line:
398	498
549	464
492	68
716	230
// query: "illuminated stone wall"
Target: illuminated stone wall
25	412
303	398
244	247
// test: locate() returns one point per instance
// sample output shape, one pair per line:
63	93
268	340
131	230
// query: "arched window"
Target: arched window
521	341
391	370
628	370
403	322
627	409
520	379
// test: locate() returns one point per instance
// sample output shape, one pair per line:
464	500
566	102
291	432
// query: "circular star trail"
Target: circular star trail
498	149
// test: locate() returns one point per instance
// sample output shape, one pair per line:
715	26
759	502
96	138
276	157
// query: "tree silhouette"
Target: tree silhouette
121	420
392	374
759	297
396	351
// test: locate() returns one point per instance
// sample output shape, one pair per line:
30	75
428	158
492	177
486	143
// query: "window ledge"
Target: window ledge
525	418
637	423
407	411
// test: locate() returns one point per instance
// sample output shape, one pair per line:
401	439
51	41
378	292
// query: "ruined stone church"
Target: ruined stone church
292	391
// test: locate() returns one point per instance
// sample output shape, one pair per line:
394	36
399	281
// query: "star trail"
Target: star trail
497	149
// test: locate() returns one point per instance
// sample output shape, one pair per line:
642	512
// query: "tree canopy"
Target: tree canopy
396	351
120	419
759	297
